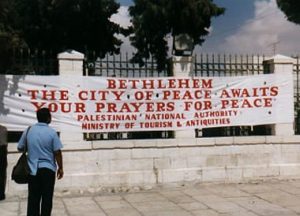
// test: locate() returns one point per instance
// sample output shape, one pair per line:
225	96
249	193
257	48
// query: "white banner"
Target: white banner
101	104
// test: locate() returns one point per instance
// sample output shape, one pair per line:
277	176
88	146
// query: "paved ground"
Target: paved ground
273	198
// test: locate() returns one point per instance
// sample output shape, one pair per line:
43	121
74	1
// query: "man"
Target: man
44	155
3	160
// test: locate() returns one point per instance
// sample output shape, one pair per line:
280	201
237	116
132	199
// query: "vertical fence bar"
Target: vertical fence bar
213	64
236	65
230	64
195	65
94	62
253	66
152	64
219	64
126	64
120	65
242	64
146	71
247	64
139	69
207	65
225	64
113	65
261	65
201	65
258	65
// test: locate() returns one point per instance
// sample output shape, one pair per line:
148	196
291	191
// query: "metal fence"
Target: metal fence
228	65
34	62
204	65
239	65
45	63
121	66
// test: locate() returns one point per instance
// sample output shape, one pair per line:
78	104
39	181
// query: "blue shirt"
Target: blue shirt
42	142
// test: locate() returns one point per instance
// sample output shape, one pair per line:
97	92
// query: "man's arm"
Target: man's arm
21	143
59	161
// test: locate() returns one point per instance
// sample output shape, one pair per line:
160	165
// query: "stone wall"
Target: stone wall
127	164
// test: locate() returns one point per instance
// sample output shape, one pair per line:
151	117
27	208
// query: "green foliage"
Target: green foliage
7	18
67	24
8	36
291	9
154	20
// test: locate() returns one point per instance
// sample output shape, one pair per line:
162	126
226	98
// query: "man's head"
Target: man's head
43	115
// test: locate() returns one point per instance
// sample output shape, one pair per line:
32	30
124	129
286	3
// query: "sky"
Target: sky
247	27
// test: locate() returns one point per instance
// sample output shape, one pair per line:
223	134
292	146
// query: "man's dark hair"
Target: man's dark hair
43	115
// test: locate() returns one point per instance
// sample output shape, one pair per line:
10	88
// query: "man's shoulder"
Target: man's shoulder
45	127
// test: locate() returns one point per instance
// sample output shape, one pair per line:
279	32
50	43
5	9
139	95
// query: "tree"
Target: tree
68	24
8	36
291	9
154	20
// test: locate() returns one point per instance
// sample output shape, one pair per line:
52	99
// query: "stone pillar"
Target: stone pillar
71	63
280	64
183	66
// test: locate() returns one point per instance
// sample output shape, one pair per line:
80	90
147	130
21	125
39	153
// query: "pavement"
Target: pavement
264	198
